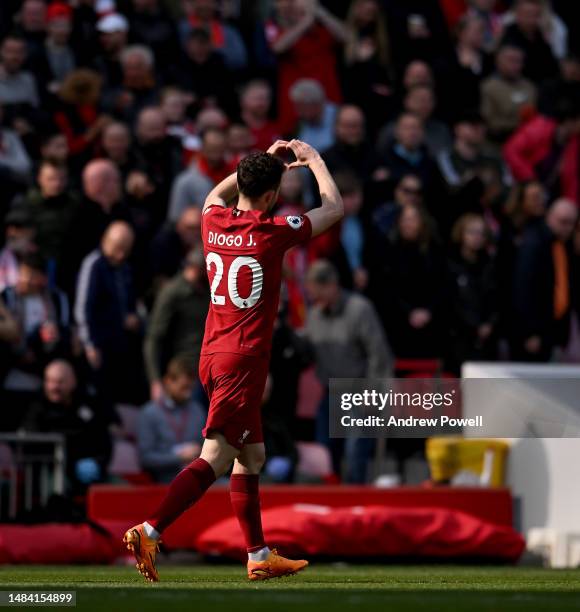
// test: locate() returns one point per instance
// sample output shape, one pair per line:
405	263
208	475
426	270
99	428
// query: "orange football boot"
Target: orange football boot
144	548
274	567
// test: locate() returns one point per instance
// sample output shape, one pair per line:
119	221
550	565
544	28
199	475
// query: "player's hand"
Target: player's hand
278	147
305	154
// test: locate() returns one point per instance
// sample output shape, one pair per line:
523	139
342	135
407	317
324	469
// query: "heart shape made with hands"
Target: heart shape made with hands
300	151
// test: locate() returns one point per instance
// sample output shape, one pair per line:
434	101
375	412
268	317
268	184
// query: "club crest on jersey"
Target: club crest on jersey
295	222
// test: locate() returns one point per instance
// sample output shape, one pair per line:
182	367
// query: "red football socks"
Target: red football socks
185	489
245	498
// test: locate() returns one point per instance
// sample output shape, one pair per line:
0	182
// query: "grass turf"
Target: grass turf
319	588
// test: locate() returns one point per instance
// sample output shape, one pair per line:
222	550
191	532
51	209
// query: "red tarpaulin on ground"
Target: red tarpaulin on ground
360	531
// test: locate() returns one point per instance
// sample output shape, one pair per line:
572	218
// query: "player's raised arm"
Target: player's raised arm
332	209
223	192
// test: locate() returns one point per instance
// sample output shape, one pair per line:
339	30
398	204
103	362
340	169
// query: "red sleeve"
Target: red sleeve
290	230
76	143
526	146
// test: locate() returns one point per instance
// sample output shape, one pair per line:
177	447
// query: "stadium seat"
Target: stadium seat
129	416
125	459
314	459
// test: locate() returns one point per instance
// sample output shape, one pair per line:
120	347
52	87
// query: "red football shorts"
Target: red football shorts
234	385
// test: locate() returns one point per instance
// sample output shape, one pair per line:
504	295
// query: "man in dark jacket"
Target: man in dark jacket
408	154
542	287
51	207
177	323
527	34
105	312
85	424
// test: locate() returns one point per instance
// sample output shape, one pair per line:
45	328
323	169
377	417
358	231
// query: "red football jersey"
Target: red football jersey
243	253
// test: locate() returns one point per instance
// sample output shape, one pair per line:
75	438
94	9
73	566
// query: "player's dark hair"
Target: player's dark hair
259	173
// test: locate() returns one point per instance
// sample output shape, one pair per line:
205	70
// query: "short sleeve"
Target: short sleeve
291	230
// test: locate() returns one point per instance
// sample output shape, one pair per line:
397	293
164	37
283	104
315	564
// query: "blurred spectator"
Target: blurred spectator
54	148
174	103
547	149
369	72
173	242
18	241
18	90
420	100
77	115
418	31
349	342
84	32
159	161
506	96
461	77
207	169
63	408
170	425
553	27
32	19
409	287
112	29
472	294
408	154
408	192
255	112
461	168
416	73
240	142
138	88
291	355
526	32
315	115
42	316
352	233
542	285
52	208
524	208
202	72
55	59
101	204
564	85
105	312
177	321
116	146
487	11
151	25
15	164
203	15
351	150
303	35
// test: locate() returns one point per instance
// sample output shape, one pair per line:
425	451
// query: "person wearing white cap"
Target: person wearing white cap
112	29
112	23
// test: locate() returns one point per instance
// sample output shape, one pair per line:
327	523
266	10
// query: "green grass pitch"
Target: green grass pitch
318	589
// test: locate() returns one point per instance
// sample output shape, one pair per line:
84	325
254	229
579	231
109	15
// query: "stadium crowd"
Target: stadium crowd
452	128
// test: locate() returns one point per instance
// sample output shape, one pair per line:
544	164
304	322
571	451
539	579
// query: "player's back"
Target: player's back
244	251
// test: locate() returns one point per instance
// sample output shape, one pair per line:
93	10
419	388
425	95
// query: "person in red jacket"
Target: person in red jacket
548	149
304	35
